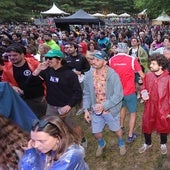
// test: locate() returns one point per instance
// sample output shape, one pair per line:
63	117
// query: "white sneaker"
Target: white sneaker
144	148
163	149
122	150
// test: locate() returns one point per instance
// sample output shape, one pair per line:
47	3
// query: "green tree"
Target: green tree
22	10
154	8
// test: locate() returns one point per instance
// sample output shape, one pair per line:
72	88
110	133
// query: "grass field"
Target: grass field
111	160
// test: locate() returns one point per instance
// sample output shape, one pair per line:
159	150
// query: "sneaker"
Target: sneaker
84	143
144	148
131	139
163	149
122	150
99	150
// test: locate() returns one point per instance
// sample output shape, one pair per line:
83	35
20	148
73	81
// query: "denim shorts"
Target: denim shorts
130	102
98	122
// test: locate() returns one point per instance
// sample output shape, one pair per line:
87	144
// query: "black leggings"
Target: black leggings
148	140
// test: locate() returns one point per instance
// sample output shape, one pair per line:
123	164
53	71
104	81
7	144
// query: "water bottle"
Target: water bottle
145	94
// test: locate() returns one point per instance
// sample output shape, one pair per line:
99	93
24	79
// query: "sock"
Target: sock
101	142
121	142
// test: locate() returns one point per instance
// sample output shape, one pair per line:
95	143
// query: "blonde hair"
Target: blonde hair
45	48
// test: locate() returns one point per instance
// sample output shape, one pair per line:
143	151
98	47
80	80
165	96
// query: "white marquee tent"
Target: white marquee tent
112	15
54	10
143	12
98	15
163	17
124	15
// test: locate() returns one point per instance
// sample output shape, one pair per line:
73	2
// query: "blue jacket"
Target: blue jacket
114	92
13	107
72	159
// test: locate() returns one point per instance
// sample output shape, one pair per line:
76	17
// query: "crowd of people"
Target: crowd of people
100	72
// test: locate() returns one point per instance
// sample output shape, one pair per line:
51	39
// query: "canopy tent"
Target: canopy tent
80	17
98	15
112	15
143	12
124	15
54	10
163	17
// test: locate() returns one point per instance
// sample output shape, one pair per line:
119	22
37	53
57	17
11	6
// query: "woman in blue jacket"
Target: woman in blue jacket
53	146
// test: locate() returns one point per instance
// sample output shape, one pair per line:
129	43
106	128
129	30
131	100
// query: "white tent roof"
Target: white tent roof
98	15
124	15
112	15
54	10
163	17
143	12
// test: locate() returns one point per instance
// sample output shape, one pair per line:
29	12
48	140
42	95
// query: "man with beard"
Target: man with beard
155	93
76	61
17	73
79	64
102	101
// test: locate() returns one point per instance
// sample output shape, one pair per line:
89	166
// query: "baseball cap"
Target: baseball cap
101	55
54	53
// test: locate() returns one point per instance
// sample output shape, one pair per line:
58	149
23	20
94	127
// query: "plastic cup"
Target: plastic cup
145	94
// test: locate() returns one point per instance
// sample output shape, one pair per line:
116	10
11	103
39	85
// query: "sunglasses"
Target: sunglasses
49	58
42	124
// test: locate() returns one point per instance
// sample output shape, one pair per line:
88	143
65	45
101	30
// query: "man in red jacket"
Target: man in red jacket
155	93
18	74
